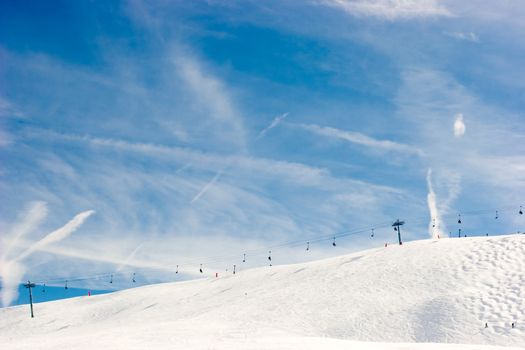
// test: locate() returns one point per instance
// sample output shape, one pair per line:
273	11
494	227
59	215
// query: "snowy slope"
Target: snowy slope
426	291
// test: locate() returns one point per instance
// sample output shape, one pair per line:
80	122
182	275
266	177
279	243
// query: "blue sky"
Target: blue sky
191	132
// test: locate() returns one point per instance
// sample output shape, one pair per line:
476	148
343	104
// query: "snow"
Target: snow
420	295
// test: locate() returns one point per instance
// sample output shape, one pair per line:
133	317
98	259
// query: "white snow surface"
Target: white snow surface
420	295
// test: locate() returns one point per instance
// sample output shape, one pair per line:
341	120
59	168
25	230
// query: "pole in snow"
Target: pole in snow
397	227
30	285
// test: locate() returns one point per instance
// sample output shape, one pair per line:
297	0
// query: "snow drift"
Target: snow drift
437	291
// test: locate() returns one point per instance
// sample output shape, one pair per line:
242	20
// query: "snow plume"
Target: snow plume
434	227
459	125
273	124
12	271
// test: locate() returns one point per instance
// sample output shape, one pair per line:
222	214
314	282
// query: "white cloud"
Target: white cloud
58	234
206	187
475	162
390	9
467	36
459	125
296	172
211	93
5	138
13	270
286	171
361	139
272	125
7	109
56	165
34	214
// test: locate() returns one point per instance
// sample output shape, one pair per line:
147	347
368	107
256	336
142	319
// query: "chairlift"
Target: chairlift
44	288
333	243
433	222
372	235
244	258
496	217
521	211
111	279
65	287
307	246
200	269
234	269
270	255
459	218
177	269
133	279
395	228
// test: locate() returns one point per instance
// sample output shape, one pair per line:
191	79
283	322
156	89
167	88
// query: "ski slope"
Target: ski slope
398	297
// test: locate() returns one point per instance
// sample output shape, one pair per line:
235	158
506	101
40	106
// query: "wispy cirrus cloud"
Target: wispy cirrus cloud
390	9
466	36
285	171
208	161
362	139
34	214
474	161
58	234
211	93
206	187
276	121
12	270
7	109
142	133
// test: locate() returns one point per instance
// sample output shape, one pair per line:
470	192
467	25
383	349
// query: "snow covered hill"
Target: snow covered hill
426	291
